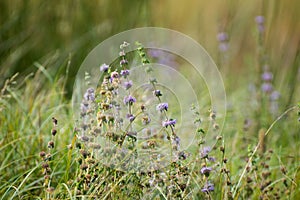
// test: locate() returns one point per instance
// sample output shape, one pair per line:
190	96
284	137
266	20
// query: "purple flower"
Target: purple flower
123	62
205	170
89	95
211	159
267	87
223	46
261	28
127	84
259	19
208	187
104	67
84	107
129	100
157	93
204	152
124	73
131	117
222	37
170	122
176	141
162	106
267	76
114	75
274	96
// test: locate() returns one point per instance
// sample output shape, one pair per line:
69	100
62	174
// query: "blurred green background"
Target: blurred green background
52	32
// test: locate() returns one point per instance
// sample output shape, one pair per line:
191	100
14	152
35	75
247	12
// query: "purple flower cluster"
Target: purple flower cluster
129	100
267	88
104	67
127	84
131	117
267	78
260	21
123	62
157	93
204	152
205	170
162	106
124	73
89	95
114	75
208	187
223	41
170	122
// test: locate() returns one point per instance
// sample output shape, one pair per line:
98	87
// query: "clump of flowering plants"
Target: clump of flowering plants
128	141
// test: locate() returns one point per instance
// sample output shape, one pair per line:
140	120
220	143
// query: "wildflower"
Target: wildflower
204	152
162	106
223	46
131	117
170	122
123	62
124	73
127	84
104	67
157	93
211	159
260	19
267	87
129	100
274	96
205	170
267	76
89	95
208	187
114	75
84	107
176	142
222	37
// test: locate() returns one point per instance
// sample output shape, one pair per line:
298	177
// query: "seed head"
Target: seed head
53	132
54	120
51	145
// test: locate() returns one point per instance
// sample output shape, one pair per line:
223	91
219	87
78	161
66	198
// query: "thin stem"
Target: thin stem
257	146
